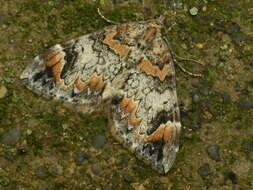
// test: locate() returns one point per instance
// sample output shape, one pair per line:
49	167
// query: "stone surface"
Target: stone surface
214	152
99	141
11	137
204	170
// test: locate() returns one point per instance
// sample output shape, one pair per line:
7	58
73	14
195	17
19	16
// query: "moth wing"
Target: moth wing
145	110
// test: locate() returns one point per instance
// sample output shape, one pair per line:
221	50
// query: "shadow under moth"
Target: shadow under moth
128	65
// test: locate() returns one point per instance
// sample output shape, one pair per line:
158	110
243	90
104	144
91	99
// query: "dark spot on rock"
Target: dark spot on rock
204	170
213	152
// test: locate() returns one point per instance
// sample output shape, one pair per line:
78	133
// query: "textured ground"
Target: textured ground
51	145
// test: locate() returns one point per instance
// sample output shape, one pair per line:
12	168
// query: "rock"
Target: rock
213	152
11	137
3	91
96	169
80	156
194	11
204	170
127	178
195	98
42	172
99	141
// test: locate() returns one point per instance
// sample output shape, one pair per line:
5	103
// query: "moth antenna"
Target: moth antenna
188	72
182	68
106	19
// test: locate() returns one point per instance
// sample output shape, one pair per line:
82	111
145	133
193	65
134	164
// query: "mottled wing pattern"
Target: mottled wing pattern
130	65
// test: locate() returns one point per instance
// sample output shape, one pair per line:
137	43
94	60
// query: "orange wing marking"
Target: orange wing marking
55	62
163	132
129	106
122	50
94	81
147	67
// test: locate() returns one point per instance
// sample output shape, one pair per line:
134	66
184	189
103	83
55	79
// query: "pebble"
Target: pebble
41	172
80	157
11	137
213	152
194	11
3	91
99	141
204	170
96	169
196	98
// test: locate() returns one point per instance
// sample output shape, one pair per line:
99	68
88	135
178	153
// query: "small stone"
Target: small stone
11	137
96	169
99	141
42	172
196	98
213	152
128	178
80	157
204	170
3	91
194	11
30	40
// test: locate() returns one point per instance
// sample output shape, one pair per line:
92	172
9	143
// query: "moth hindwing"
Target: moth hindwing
129	65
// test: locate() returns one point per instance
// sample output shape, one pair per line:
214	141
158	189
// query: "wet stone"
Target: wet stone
3	91
99	141
80	157
213	152
96	169
42	172
204	170
11	137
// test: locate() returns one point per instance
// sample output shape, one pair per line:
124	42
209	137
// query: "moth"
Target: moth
128	65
